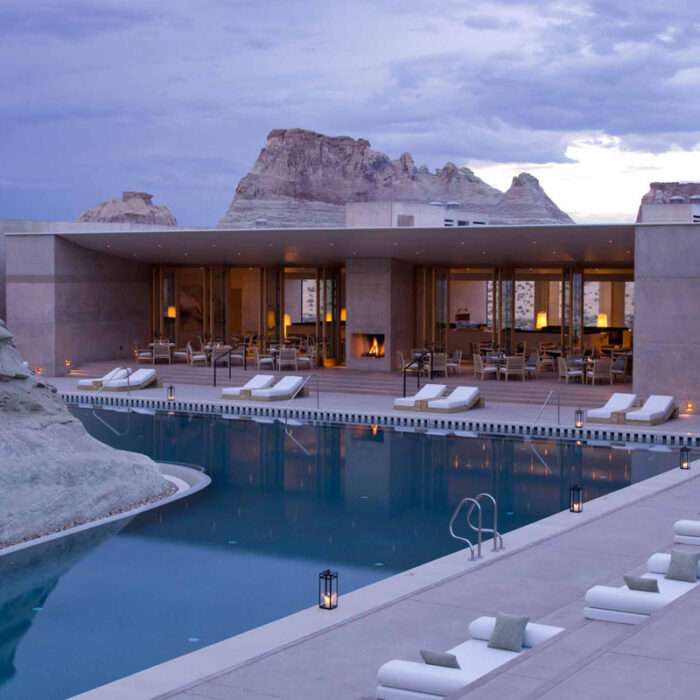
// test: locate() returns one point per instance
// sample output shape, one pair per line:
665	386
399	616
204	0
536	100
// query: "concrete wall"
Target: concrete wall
65	302
667	311
379	293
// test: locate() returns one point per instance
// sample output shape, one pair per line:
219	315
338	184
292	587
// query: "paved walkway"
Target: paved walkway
545	579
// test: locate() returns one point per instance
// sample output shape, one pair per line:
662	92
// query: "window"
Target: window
462	223
404	220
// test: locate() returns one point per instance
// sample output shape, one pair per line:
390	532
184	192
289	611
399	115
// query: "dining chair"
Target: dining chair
161	351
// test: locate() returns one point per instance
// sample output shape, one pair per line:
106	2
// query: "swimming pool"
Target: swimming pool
369	503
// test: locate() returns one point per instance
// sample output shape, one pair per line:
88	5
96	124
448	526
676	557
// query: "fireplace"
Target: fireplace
368	345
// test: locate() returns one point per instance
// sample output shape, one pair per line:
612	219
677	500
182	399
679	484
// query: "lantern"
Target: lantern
328	590
171	312
541	321
66	363
602	321
685	457
688	406
171	393
575	499
578	418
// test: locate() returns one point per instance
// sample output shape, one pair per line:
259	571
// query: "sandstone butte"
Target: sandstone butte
661	193
132	208
303	178
53	474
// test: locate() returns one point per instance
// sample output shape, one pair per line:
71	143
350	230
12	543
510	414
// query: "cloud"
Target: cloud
490	22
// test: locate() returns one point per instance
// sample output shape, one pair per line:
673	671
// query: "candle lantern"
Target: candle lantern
328	590
685	457
575	499
578	418
171	393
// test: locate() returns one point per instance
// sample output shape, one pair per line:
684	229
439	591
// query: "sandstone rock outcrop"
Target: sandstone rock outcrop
661	193
53	475
303	178
133	208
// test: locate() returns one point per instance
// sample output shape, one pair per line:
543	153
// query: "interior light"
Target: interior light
602	321
172	312
541	320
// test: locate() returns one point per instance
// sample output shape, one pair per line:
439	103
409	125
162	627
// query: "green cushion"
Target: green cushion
640	583
508	632
683	566
440	658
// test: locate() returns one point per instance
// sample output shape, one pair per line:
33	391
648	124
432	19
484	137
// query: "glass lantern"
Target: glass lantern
575	499
685	457
328	590
578	418
171	393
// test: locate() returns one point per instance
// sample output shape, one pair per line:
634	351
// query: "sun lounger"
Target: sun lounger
656	409
616	404
139	379
418	681
95	384
461	399
284	389
687	532
259	381
419	401
611	604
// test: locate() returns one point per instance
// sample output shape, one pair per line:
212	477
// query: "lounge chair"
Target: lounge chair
656	409
259	381
462	398
687	532
615	405
139	379
515	366
96	384
629	607
411	679
419	401
284	389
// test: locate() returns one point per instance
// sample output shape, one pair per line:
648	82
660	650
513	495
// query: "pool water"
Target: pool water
369	503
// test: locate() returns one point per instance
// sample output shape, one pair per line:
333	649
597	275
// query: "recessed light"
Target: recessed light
483	252
270	245
186	253
533	242
609	241
462	242
417	252
160	245
134	254
331	244
109	245
395	243
238	253
213	245
628	252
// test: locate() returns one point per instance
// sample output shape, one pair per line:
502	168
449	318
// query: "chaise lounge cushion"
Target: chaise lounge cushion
683	566
655	408
689	528
617	402
460	397
285	387
508	632
116	373
427	393
439	658
640	583
259	381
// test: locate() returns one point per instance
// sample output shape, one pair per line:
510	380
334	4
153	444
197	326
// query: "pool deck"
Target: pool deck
544	572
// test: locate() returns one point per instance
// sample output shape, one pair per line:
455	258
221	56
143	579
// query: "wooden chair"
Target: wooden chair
602	370
142	354
566	372
287	358
180	354
484	369
194	356
439	365
262	361
532	364
455	364
619	368
161	351
307	360
515	366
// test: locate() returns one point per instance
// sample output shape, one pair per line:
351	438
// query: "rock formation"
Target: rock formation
132	208
302	178
661	193
53	475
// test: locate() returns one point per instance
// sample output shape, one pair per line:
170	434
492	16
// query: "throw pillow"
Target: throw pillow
683	566
439	658
508	632
639	583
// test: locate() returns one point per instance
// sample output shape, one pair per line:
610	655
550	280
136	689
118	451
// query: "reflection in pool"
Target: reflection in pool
247	550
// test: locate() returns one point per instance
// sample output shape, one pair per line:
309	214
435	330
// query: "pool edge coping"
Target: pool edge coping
189	670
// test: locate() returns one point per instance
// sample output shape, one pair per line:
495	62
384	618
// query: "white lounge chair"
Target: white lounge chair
95	384
284	389
419	401
259	381
611	604
617	403
686	532
462	398
656	409
139	379
410	679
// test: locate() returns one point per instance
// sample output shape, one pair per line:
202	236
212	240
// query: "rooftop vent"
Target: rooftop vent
677	199
260	223
695	198
452	205
435	204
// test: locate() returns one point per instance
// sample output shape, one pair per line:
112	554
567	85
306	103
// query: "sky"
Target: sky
596	99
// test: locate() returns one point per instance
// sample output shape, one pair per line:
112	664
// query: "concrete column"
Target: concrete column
667	313
380	300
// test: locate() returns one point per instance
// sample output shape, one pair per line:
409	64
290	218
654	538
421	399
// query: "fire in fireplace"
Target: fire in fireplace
370	345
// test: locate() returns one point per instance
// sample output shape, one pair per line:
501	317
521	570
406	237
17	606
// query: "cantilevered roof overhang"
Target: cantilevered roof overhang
511	246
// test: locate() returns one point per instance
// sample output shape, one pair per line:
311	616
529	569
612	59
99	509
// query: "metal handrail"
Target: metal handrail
408	366
497	538
474	503
546	401
286	415
214	360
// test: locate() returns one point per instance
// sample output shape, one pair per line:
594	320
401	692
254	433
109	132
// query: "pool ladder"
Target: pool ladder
479	529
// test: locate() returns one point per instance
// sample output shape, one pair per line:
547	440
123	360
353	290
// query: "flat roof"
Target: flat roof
490	245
